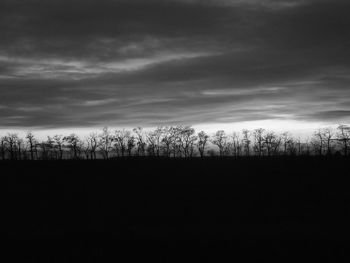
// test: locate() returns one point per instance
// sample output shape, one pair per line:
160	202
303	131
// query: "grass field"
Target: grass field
175	210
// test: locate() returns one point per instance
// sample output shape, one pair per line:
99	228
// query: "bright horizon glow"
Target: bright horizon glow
298	129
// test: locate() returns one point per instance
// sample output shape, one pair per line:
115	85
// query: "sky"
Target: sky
85	64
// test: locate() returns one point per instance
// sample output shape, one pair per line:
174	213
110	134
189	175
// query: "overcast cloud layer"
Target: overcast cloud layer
85	63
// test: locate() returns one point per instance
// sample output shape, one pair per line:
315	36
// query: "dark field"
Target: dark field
175	210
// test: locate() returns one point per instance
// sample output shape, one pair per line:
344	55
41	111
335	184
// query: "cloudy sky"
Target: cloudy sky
90	63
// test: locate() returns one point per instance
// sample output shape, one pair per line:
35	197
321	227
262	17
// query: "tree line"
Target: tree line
173	141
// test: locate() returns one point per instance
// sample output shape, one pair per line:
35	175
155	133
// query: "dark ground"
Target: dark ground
176	210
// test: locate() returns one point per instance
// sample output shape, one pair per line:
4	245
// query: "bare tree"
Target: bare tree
122	139
3	147
186	139
58	145
50	144
130	143
47	148
220	140
307	146
176	140
20	149
343	136
272	143
236	145
328	138
73	143
154	139
299	146
167	140
259	141
292	147
105	142
318	142
92	141
12	139
286	140
202	142
84	146
140	141
31	143
246	141
43	150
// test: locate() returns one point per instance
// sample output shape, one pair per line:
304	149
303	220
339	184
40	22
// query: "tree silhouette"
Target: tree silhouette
124	142
167	140
186	139
154	139
32	144
246	141
317	142
220	141
287	141
272	143
58	145
140	141
343	136
92	143
174	141
73	143
328	137
105	142
3	147
202	142
259	141
236	145
12	140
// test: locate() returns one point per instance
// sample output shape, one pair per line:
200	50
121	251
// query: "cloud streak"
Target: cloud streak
93	63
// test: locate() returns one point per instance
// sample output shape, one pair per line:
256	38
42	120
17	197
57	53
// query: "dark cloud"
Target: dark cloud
91	63
339	115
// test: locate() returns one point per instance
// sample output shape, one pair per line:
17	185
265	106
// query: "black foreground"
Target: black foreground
176	210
